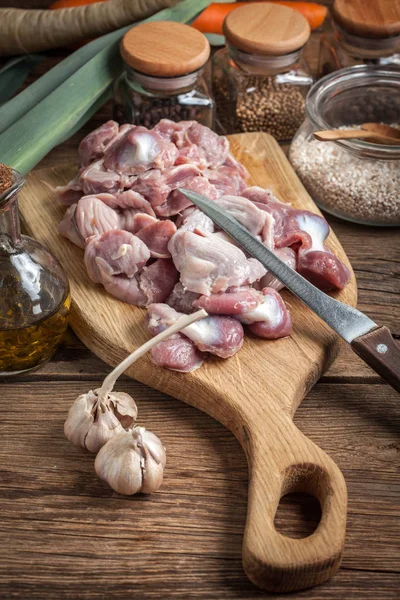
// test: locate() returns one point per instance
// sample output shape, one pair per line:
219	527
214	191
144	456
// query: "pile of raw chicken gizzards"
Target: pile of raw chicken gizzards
149	246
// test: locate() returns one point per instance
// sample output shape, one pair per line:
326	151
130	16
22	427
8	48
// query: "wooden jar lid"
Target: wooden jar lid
368	18
265	28
165	49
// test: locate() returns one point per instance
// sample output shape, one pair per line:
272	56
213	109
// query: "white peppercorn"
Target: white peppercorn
261	79
261	104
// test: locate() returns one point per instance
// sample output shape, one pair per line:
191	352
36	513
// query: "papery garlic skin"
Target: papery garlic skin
104	427
92	421
119	464
80	418
132	462
125	408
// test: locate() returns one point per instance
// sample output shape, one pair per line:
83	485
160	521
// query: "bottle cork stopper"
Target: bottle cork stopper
165	49
266	29
374	19
6	178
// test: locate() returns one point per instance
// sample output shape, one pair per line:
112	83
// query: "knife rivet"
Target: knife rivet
382	348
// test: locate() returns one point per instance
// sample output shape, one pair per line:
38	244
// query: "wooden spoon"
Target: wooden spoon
380	129
330	135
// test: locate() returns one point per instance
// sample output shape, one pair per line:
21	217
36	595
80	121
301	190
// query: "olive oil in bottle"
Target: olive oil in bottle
29	346
34	292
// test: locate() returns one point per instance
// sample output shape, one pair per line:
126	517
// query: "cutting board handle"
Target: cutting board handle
280	465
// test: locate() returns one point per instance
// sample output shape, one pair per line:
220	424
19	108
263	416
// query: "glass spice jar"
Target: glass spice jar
34	291
355	180
165	76
260	80
361	33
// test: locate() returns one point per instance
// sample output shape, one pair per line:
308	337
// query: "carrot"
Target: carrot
212	18
313	12
26	31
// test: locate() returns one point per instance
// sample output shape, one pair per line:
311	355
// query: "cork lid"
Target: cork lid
367	18
265	28
165	49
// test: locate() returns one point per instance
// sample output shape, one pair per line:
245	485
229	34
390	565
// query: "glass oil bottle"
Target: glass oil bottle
34	291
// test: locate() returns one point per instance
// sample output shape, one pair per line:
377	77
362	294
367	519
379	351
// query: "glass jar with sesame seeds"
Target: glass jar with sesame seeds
353	179
260	80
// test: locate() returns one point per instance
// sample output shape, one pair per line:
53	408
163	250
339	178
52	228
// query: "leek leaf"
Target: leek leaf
26	142
65	109
215	39
14	73
13	110
105	96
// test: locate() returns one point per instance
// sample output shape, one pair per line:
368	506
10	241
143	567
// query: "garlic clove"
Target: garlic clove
92	421
105	426
153	444
118	463
80	418
152	472
132	462
125	408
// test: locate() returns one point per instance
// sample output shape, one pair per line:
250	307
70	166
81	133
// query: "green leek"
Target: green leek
55	117
13	75
41	88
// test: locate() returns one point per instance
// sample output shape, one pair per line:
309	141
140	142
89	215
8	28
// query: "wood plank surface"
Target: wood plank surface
186	540
189	546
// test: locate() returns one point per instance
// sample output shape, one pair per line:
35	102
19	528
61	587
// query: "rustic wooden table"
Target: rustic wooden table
65	534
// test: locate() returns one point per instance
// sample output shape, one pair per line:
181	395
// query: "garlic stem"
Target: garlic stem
180	324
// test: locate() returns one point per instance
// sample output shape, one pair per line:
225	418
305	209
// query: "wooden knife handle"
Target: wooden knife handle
379	350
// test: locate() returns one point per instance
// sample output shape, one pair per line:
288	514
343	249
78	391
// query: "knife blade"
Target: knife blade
373	343
347	321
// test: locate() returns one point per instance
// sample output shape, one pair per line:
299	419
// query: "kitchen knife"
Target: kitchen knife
373	343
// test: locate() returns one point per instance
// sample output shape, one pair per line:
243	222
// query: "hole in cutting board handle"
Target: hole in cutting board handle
298	515
304	489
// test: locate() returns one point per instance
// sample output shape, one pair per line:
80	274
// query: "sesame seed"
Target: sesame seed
352	187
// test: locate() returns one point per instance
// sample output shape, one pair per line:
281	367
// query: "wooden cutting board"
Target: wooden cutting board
254	393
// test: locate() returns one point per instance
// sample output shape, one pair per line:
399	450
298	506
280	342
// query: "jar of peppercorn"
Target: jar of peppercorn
164	76
362	33
260	79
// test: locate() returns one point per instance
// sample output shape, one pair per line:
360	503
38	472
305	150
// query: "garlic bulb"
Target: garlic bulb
97	417
93	420
132	461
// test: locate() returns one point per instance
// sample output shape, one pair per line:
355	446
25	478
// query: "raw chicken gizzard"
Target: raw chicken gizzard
149	246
